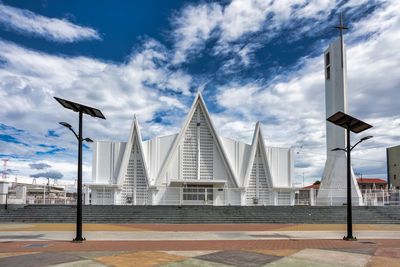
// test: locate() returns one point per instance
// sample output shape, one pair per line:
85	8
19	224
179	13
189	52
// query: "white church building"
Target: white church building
193	167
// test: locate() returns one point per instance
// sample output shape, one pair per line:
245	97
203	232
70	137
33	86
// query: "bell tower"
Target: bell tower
334	184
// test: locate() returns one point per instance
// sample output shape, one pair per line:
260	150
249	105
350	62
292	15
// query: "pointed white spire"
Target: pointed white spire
134	136
258	142
198	102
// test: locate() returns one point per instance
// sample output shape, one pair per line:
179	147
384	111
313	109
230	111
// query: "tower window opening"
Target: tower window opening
327	62
328	66
328	73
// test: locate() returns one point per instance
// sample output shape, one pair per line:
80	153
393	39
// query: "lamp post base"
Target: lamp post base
78	240
350	238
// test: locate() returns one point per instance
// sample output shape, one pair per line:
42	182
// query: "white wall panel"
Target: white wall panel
106	160
281	166
238	156
156	151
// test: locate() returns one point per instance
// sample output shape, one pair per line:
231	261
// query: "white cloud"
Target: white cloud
29	80
22	171
292	105
197	24
242	17
193	27
59	30
284	105
240	27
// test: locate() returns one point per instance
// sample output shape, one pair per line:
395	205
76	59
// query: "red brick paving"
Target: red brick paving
389	252
196	245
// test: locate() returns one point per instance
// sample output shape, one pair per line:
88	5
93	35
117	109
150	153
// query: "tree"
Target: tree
317	182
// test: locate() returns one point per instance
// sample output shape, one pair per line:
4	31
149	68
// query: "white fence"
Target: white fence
40	200
338	197
200	195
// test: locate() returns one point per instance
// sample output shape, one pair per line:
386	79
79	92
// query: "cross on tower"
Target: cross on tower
341	28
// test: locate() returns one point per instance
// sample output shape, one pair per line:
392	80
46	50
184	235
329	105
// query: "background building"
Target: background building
371	184
393	166
28	191
374	192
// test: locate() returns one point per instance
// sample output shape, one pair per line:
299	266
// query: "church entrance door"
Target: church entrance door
198	195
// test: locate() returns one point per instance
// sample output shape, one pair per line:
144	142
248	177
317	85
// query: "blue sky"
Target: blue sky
253	60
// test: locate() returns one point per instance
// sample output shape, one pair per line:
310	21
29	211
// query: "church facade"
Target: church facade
194	167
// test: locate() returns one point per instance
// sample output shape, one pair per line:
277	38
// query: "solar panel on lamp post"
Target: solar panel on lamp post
81	109
356	126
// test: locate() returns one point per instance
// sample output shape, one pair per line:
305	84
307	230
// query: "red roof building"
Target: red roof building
363	183
312	186
371	183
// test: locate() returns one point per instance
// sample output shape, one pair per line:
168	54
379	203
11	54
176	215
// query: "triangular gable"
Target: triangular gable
258	141
175	148
134	136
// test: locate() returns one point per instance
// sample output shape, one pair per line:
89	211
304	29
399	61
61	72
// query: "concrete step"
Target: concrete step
202	214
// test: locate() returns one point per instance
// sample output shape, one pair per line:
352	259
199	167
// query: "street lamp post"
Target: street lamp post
94	113
79	237
354	125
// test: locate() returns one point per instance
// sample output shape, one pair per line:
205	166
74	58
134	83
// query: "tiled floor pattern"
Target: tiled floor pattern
370	257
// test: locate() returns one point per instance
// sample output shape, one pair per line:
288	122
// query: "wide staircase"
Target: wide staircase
201	214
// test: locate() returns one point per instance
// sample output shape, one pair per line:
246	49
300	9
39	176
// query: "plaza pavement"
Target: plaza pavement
198	245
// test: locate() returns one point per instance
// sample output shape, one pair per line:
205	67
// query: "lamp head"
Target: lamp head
336	149
87	139
366	138
66	124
